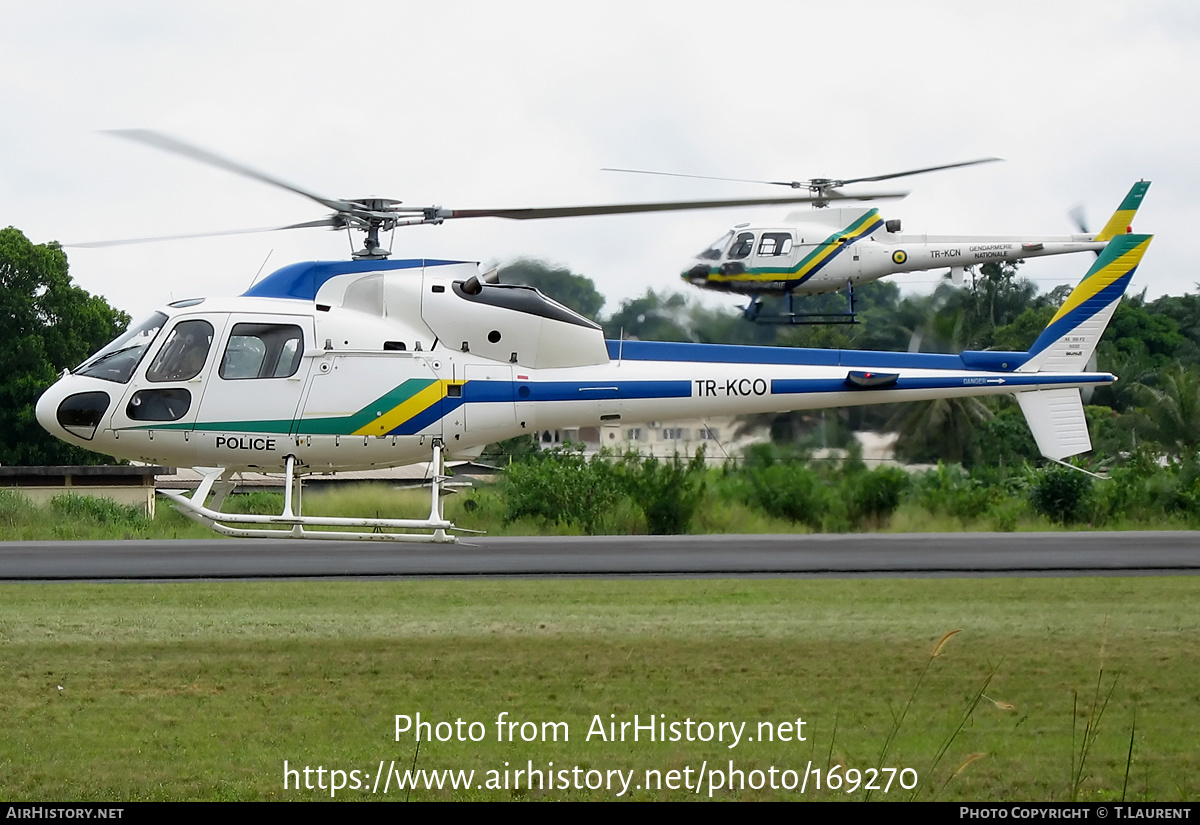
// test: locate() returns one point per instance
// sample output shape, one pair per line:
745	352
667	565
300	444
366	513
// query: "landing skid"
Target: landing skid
753	312
290	523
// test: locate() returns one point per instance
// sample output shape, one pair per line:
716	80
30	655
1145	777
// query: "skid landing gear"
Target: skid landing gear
753	312
291	523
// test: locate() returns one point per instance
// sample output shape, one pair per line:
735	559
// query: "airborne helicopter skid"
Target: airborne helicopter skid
291	524
753	312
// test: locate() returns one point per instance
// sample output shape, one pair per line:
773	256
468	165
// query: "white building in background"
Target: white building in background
721	437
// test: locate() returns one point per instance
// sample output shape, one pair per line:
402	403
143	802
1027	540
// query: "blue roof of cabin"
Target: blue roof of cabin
303	280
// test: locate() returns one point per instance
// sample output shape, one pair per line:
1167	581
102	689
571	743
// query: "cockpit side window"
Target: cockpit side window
184	353
117	361
262	351
742	247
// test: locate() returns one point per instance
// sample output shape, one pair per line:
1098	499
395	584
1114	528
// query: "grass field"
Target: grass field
202	691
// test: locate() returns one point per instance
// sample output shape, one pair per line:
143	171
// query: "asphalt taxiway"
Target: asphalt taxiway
843	555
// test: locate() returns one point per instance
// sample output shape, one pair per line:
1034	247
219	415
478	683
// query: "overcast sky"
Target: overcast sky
494	104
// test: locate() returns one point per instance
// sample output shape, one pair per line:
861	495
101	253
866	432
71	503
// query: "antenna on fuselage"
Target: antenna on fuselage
260	268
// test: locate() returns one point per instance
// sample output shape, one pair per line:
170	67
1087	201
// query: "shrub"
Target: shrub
561	486
950	490
874	495
1061	494
794	492
668	492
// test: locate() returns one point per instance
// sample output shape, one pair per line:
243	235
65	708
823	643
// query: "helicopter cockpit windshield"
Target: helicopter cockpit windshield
716	249
117	361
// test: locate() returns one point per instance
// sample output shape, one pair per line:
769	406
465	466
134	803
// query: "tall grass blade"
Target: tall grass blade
970	709
413	770
1129	756
897	721
1090	730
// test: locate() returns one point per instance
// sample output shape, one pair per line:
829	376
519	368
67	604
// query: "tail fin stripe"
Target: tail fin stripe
1102	287
1121	220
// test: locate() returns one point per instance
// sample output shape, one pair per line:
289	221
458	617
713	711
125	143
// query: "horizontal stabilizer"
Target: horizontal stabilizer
1056	419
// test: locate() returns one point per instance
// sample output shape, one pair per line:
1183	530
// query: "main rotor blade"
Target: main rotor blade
816	182
795	184
919	171
178	147
332	221
628	208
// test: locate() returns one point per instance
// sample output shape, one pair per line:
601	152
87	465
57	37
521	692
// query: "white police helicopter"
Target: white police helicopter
329	366
828	250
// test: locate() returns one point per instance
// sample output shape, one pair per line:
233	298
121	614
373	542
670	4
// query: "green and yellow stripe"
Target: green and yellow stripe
413	399
825	252
1122	219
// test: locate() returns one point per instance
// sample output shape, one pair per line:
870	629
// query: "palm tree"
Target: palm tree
940	430
943	429
1175	408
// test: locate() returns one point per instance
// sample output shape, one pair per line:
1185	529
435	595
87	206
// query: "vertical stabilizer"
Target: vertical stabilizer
1122	220
1072	335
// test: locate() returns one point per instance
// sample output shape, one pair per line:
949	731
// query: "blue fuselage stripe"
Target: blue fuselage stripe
303	280
521	391
428	416
766	356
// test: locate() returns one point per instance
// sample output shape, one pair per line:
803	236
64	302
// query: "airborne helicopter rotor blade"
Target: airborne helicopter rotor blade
794	184
332	221
842	182
178	147
629	208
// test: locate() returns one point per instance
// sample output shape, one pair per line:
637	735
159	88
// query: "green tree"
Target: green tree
997	297
943	428
939	430
571	290
1005	439
1136	329
1184	310
652	317
1135	371
1175	409
1019	335
49	325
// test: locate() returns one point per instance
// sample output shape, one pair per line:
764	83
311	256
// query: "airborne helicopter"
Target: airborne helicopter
330	366
828	250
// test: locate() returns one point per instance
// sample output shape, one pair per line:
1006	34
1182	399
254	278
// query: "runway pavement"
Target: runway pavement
898	555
